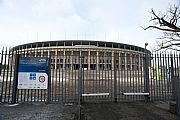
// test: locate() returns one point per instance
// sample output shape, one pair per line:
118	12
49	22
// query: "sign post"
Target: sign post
33	73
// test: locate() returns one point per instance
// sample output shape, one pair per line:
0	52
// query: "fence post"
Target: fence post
115	78
0	67
146	71
177	95
80	87
15	81
172	78
1	70
49	81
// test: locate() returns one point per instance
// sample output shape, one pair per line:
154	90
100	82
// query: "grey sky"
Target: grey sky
23	21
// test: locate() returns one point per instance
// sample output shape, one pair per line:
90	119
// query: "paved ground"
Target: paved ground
95	111
128	111
38	112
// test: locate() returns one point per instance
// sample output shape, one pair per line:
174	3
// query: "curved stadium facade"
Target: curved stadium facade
91	71
98	55
100	70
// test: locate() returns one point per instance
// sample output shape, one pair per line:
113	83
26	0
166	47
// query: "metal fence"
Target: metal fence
95	78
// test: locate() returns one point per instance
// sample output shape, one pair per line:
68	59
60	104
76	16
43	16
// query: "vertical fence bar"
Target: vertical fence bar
55	75
3	76
125	75
102	78
164	76
93	73
1	64
15	81
168	76
156	73
49	81
1	60
33	92
83	79
118	75
172	77
115	78
30	91
111	76
138	73
69	78
71	73
42	55
11	72
142	73
108	75
152	79
7	75
130	75
119	80
146	82
97	68
21	53
160	77
52	76
77	75
24	91
80	88
62	72
99	75
177	95
59	77
177	88
65	74
74	69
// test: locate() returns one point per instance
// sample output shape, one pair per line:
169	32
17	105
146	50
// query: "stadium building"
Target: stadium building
96	55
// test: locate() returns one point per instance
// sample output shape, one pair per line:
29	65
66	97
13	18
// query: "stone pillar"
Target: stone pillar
42	52
35	52
112	60
80	52
97	60
48	52
55	57
105	61
64	57
125	61
139	62
89	59
80	61
72	57
119	57
130	61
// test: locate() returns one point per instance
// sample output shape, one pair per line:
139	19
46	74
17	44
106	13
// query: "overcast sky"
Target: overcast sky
25	21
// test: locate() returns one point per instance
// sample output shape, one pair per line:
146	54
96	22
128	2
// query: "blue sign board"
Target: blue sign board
33	72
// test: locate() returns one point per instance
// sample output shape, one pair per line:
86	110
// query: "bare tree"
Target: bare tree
169	23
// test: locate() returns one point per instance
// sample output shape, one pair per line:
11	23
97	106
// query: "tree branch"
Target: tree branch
171	24
168	23
163	29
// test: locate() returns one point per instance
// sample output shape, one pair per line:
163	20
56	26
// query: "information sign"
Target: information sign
33	73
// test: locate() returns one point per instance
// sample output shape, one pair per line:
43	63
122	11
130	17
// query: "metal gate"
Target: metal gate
72	78
102	78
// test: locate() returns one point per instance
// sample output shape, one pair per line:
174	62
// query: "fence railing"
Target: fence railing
112	77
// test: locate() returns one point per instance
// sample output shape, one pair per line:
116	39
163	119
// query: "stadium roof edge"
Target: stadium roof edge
80	42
